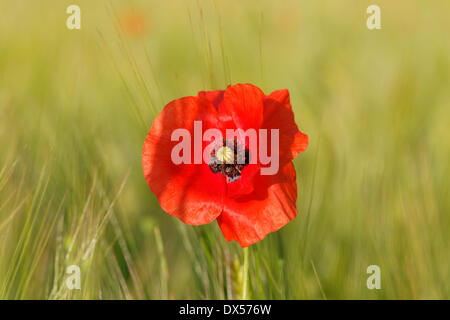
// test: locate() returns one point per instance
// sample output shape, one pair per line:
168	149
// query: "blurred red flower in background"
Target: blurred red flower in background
133	23
246	204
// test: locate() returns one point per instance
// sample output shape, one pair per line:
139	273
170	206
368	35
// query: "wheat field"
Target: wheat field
76	105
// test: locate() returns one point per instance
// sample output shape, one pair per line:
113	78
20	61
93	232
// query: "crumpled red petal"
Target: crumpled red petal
191	192
243	104
248	219
215	96
278	114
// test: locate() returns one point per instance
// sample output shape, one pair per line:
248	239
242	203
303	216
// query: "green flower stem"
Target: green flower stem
244	287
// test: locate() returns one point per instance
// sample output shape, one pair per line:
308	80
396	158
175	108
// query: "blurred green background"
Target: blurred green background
76	105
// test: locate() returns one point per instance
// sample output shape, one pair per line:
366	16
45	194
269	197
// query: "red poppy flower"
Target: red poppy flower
229	184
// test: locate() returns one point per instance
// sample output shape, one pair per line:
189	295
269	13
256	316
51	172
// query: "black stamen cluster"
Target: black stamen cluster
231	170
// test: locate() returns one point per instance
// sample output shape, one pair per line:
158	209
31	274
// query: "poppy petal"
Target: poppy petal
191	192
248	219
243	103
278	114
215	97
244	185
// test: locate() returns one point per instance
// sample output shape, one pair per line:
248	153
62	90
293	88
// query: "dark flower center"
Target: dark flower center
229	158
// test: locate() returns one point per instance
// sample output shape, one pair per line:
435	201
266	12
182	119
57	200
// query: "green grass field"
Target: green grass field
76	105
